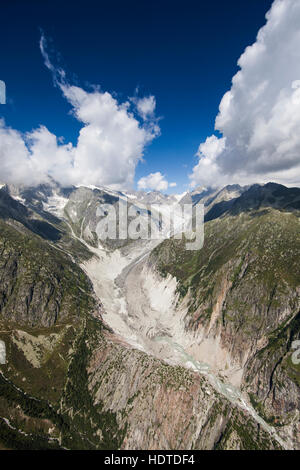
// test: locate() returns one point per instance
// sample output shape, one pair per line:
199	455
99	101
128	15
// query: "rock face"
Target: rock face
243	292
273	379
157	406
38	283
71	382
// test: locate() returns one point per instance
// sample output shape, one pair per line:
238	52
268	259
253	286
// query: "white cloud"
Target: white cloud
110	144
173	185
259	117
146	106
207	168
112	141
154	181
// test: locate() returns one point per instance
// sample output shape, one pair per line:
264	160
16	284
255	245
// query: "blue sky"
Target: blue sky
183	53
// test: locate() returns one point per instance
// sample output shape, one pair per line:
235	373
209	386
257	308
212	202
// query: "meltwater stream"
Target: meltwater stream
233	394
109	273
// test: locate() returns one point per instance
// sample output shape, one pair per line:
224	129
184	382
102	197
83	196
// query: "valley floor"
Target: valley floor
143	310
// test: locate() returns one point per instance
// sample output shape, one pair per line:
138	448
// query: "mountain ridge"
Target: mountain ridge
95	353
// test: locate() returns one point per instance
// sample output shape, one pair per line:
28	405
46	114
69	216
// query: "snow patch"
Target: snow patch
55	205
2	352
19	199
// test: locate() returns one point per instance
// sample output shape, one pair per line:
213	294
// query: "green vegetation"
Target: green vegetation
269	243
87	416
51	385
245	435
14	440
39	285
249	272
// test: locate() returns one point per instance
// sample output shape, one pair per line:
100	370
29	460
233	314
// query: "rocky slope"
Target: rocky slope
70	381
112	396
243	296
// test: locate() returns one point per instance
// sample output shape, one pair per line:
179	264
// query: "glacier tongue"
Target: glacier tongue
141	307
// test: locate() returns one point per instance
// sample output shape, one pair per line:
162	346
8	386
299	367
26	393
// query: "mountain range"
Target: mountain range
142	344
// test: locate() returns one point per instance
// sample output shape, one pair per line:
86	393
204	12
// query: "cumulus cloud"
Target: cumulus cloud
110	143
259	117
146	106
155	181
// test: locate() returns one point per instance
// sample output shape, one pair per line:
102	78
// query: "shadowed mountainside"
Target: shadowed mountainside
70	382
